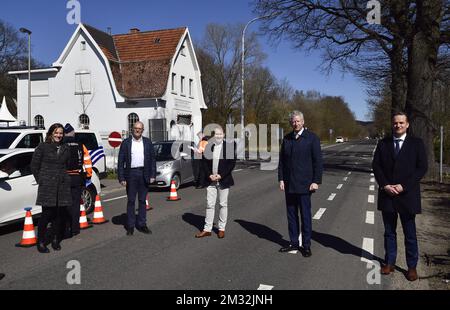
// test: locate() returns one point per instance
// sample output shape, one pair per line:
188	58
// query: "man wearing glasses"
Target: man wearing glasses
136	170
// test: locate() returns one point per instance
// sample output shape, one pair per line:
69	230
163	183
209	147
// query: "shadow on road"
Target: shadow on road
263	232
198	221
120	220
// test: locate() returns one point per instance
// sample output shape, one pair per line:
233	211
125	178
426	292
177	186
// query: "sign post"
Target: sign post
115	139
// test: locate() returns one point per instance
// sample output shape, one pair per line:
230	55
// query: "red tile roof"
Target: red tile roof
140	61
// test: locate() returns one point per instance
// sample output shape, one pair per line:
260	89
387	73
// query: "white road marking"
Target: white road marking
371	187
319	214
372	180
331	197
117	198
370	217
349	173
339	186
367	246
372	174
265	287
371	198
293	252
237	170
345	179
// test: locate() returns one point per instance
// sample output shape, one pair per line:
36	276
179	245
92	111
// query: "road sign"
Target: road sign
115	139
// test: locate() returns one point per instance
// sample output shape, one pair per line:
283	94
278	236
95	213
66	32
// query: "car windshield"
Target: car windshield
7	138
163	151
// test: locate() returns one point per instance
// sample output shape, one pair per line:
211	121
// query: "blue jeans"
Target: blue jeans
136	185
390	238
294	202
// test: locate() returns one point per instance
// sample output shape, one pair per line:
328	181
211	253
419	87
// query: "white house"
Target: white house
107	82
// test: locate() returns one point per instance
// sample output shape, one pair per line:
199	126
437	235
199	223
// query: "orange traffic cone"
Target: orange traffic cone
29	237
147	206
83	219
173	193
98	212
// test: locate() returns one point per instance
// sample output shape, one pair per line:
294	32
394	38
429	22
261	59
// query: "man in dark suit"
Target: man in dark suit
218	163
136	170
299	174
399	163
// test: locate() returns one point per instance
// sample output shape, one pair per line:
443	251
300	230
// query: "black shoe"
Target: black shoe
56	245
144	230
130	232
289	248
2	275
42	248
306	252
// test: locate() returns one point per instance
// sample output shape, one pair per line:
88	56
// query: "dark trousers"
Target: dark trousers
136	185
294	203
197	171
74	210
56	216
390	238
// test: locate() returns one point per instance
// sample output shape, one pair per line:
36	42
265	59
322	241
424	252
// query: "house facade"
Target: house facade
107	82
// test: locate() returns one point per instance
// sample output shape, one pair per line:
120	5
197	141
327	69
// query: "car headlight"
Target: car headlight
165	166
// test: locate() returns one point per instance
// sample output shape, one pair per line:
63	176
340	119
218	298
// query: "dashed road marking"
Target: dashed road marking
293	252
349	173
371	198
345	179
265	287
370	217
339	186
238	170
367	246
372	180
319	214
371	187
331	197
372	174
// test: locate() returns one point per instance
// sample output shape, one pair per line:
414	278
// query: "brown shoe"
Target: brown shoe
387	269
411	275
221	234
203	234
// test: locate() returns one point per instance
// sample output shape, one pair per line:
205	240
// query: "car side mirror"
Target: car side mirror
3	175
184	155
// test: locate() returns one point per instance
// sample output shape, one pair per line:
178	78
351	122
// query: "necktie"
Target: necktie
397	146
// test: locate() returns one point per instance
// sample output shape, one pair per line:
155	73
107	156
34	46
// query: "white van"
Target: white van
22	137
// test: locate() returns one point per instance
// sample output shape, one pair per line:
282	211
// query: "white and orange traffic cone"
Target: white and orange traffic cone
98	212
148	207
173	193
83	219
29	237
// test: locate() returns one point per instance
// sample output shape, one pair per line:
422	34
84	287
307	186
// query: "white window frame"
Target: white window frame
182	86
174	79
191	88
78	78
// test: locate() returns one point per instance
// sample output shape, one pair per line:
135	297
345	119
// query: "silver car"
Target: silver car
173	163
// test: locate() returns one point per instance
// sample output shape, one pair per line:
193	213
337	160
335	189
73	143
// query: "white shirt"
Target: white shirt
216	157
299	133
137	153
402	139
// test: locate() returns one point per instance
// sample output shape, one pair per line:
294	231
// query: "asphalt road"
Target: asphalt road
347	239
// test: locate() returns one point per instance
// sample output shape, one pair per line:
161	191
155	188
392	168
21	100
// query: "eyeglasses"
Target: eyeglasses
138	128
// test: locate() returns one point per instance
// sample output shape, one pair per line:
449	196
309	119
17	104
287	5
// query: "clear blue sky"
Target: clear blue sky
47	20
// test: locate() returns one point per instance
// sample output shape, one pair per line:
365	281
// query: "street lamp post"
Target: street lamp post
242	74
25	30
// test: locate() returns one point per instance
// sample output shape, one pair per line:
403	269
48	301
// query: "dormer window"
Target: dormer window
157	41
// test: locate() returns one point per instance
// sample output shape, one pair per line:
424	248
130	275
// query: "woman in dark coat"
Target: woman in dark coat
48	166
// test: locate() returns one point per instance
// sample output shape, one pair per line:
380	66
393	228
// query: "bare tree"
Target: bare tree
405	45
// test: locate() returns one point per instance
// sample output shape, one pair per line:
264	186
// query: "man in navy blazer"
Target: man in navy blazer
136	170
399	163
299	174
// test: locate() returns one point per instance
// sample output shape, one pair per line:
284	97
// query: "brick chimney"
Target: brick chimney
134	30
